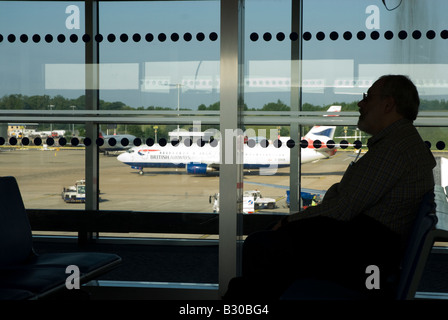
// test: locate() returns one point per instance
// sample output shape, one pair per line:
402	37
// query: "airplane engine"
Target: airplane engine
197	168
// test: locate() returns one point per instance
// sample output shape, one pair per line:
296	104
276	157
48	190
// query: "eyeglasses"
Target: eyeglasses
365	95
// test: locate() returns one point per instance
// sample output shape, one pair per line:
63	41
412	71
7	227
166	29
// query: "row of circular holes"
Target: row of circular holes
213	36
361	35
149	37
440	145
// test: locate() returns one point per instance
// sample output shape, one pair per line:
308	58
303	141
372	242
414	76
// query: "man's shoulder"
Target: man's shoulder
405	136
405	142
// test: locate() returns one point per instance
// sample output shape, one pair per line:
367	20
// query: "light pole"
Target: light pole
73	124
178	108
51	106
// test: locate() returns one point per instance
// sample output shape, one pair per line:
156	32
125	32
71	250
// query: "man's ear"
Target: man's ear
390	105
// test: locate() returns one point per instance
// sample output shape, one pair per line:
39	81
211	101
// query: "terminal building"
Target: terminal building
230	70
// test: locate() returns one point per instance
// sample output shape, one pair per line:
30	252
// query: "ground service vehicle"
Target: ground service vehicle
252	201
76	193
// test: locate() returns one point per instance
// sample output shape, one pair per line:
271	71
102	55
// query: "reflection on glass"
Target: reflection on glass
349	45
36	39
165	55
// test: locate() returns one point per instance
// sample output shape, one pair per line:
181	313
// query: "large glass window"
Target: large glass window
41	53
157	65
158	88
126	97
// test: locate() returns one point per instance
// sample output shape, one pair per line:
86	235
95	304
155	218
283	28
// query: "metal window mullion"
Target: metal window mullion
230	181
296	104
92	103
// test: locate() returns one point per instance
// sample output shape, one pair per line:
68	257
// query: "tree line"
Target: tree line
58	102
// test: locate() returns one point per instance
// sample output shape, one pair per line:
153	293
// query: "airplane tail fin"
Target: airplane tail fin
318	136
333	109
323	133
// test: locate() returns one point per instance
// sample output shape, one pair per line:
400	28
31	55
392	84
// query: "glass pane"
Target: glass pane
43	53
161	55
348	45
39	42
267	92
48	162
162	59
267	72
155	174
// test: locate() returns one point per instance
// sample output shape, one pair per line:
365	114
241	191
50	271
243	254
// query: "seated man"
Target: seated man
364	219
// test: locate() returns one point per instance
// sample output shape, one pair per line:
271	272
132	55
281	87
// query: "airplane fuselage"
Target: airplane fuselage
206	158
201	159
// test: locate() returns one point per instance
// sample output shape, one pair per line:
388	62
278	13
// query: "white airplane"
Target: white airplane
203	159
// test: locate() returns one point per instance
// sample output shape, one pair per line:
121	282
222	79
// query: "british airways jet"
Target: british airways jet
204	159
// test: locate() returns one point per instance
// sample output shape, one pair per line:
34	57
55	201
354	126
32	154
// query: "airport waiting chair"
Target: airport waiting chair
418	248
414	260
439	233
25	274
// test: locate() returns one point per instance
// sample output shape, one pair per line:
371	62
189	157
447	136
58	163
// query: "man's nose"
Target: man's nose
360	103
